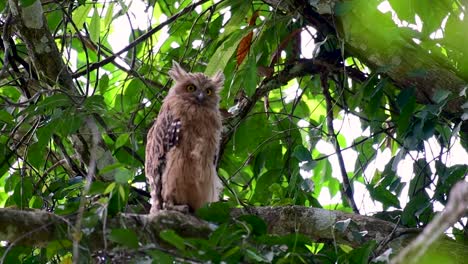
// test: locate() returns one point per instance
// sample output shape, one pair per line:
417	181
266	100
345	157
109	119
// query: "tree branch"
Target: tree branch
37	228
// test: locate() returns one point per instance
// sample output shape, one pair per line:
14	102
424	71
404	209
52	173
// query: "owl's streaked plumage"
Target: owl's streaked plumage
182	145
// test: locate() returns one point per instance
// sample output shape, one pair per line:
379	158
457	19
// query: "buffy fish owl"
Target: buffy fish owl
182	145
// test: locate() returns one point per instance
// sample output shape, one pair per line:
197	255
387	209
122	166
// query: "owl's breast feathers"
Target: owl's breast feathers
181	147
200	130
190	177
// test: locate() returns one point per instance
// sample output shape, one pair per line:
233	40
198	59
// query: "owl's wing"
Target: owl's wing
163	135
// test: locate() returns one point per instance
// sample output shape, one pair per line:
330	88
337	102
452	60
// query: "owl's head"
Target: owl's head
196	88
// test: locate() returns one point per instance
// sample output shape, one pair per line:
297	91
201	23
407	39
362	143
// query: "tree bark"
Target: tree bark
37	228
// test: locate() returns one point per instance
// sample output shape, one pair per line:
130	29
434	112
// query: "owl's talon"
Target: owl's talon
183	208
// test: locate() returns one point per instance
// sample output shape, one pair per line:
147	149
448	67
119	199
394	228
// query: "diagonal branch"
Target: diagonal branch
303	67
140	39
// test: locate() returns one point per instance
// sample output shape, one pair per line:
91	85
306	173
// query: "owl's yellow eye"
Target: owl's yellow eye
191	88
209	91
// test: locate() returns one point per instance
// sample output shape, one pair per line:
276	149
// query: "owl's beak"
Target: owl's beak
200	96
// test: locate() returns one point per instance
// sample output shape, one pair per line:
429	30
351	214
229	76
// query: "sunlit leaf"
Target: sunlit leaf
223	54
80	15
121	140
123	175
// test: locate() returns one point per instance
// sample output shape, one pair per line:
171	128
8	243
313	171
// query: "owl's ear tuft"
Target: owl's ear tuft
218	80
177	72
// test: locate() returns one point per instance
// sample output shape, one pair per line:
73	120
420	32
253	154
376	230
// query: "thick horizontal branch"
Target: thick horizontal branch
37	228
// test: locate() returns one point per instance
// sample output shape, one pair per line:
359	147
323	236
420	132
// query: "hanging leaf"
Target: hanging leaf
246	42
244	47
95	26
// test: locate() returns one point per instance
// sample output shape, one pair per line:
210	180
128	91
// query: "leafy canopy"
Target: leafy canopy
279	104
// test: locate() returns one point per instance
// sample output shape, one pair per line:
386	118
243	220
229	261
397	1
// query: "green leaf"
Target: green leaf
36	202
26	3
103	84
259	163
124	237
122	193
121	140
363	253
95	26
252	255
23	192
160	257
110	188
6	117
223	54
118	198
123	175
251	76
80	15
239	13
55	246
258	225
262	193
215	212
366	153
111	167
68	208
52	102
97	187
414	209
407	102
333	186
302	153
404	9
53	19
172	238
422	177
383	195
10	182
68	125
109	15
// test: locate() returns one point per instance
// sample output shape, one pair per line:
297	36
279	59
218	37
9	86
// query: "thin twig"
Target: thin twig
137	41
89	177
347	190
